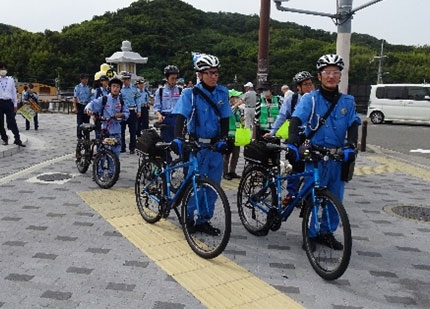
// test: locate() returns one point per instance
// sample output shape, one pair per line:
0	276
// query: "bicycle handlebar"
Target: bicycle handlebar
313	153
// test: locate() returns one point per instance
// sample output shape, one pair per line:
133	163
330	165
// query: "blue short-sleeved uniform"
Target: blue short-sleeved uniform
203	122
332	134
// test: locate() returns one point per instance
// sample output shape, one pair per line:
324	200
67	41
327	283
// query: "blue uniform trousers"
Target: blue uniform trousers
210	164
132	128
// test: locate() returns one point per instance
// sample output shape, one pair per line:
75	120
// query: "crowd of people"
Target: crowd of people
211	113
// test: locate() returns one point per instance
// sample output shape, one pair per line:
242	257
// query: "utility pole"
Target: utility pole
263	44
380	58
342	20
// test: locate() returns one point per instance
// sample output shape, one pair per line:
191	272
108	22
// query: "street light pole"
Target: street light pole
263	43
342	19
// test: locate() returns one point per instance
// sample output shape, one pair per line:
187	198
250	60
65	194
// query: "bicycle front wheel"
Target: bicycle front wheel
106	168
148	197
82	156
255	199
206	218
326	235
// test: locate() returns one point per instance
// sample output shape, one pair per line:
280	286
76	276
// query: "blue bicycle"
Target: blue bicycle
325	226
161	187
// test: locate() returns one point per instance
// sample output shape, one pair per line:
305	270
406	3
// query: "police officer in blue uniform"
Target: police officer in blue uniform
131	96
142	107
113	111
165	100
81	97
338	132
207	122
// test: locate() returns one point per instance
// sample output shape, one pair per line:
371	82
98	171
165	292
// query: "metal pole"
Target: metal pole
343	43
263	44
363	136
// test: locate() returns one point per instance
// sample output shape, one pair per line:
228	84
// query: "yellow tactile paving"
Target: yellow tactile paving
387	165
217	283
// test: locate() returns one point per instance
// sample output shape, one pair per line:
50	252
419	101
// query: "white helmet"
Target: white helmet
330	59
301	77
204	61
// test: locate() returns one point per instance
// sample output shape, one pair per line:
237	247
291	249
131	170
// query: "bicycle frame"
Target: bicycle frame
192	174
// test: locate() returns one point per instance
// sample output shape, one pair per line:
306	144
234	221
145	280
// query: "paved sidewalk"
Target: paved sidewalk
58	250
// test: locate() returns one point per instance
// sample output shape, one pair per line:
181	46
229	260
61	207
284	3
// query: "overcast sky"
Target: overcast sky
397	21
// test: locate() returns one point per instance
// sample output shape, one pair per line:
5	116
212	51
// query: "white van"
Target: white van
399	102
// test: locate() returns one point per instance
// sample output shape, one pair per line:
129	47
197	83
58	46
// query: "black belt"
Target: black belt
167	114
5	100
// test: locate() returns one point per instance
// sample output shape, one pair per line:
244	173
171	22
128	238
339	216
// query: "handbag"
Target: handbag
283	130
242	136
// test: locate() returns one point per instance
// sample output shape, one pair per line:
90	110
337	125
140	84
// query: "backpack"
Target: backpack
294	101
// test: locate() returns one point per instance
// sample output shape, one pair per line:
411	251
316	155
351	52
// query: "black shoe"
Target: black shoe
5	142
27	129
327	239
312	244
227	176
122	150
207	228
131	151
19	143
36	128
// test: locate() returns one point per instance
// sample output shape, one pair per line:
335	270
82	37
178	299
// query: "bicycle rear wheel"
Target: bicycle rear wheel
328	257
148	197
106	168
82	157
254	202
207	231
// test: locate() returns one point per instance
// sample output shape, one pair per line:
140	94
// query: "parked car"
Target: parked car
399	102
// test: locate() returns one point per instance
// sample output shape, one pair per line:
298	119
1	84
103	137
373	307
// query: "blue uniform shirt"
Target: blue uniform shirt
170	97
142	99
82	93
204	122
332	134
112	107
130	95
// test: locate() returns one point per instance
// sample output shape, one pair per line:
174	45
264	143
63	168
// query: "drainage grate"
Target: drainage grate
54	177
57	178
412	212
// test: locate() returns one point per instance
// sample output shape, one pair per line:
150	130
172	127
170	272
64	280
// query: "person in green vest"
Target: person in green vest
230	159
266	111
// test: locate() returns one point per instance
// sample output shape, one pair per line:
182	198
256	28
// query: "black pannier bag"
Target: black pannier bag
146	143
258	152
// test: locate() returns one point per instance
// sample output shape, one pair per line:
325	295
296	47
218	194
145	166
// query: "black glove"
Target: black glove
222	147
292	154
349	154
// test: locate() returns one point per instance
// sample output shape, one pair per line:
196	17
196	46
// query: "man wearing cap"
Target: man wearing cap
250	101
235	120
102	87
131	96
81	97
142	107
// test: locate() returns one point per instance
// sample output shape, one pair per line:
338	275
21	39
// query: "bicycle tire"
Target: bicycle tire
82	157
328	263
254	219
148	206
205	245
106	168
